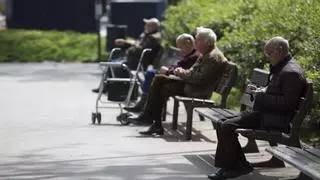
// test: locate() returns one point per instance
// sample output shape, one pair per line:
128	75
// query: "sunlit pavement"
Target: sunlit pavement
45	133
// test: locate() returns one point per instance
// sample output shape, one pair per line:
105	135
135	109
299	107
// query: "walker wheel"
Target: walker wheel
125	122
99	118
123	118
93	118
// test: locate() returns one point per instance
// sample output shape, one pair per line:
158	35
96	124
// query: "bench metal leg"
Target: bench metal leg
189	122
175	114
303	176
164	112
272	163
201	117
251	146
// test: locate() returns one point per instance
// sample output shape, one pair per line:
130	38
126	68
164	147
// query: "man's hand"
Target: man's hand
179	72
119	42
163	70
252	89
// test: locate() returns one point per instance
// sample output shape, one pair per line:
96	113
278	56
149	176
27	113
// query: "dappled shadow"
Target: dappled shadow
51	71
205	162
179	134
33	166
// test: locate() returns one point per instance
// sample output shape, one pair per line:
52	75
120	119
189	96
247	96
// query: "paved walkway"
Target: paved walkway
45	133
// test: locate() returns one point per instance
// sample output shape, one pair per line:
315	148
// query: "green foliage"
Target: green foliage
243	27
36	46
1	8
189	14
233	99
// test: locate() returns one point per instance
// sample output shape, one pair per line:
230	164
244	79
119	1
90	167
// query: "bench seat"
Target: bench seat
306	160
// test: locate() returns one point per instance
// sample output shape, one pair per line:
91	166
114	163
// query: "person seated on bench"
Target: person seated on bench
150	38
198	81
185	42
273	109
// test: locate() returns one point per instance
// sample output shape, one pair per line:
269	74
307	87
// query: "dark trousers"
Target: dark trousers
161	89
229	154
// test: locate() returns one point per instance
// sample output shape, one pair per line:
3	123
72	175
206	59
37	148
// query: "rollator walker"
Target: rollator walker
133	81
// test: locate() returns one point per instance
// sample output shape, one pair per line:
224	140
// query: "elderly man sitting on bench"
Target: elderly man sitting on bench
185	42
273	109
198	81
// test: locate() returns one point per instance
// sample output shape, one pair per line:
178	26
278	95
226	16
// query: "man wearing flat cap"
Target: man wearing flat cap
150	38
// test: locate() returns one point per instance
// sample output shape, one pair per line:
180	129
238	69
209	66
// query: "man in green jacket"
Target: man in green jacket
198	81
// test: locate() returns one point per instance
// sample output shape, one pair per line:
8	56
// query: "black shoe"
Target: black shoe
133	109
224	173
97	90
140	120
154	129
139	105
219	175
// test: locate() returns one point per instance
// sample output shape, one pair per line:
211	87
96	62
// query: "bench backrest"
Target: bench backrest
157	61
259	78
304	105
226	82
170	56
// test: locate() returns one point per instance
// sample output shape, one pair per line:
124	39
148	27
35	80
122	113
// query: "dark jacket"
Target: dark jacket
187	61
152	41
203	76
279	102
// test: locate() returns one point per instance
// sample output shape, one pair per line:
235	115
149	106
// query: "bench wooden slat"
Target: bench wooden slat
304	161
209	113
216	114
307	154
225	112
315	152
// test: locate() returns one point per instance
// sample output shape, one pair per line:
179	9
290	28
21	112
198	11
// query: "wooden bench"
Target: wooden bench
307	160
226	82
259	78
273	137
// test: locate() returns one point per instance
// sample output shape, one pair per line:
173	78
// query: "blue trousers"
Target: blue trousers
148	80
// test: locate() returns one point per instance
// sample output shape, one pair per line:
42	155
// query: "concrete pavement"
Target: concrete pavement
45	133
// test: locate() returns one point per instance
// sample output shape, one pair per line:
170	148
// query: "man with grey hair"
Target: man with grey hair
150	38
273	109
198	81
185	43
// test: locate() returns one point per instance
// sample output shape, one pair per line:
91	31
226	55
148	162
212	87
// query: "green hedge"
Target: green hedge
36	46
244	25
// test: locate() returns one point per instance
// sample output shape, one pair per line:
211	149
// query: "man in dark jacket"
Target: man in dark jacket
184	42
198	81
273	109
150	38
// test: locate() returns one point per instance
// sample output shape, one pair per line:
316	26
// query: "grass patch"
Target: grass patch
37	46
232	101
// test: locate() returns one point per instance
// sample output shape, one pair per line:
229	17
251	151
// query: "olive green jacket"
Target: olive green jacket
204	75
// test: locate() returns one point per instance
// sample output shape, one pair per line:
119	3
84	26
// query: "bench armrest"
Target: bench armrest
208	102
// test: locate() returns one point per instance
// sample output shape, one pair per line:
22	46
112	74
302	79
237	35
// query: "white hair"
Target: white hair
187	38
206	34
279	43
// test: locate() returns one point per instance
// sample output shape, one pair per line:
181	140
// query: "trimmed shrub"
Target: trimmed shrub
36	46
